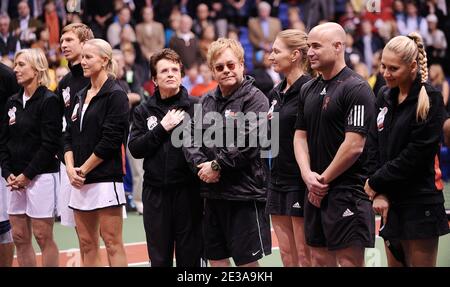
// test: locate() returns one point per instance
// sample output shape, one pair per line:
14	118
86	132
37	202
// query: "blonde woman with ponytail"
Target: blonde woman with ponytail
405	183
94	148
285	197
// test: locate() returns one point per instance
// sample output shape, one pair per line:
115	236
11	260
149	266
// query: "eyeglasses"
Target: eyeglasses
220	67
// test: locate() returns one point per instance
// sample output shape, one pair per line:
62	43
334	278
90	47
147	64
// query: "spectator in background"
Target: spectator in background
61	71
191	78
263	29
202	21
173	27
317	10
376	79
435	41
412	22
24	27
237	11
368	44
208	83
362	70
295	22
439	82
218	17
208	36
149	34
123	19
352	55
54	24
99	13
135	74
350	20
185	43
9	43
233	33
266	78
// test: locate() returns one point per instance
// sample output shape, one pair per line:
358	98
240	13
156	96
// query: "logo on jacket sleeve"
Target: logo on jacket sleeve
272	107
66	96
152	122
12	115
380	118
75	113
229	114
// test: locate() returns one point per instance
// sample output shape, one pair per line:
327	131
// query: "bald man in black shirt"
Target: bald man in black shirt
334	114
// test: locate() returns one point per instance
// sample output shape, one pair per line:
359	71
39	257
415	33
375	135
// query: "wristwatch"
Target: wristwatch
215	165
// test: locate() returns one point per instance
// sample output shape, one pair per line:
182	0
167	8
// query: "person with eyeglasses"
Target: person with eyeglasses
171	199
334	114
232	172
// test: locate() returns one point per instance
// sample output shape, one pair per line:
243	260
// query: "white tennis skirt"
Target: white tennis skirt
39	199
97	195
66	213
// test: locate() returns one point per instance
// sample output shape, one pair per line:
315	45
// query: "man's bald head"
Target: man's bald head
326	47
330	31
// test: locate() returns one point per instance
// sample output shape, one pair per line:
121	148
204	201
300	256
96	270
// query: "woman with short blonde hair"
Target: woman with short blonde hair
29	140
94	148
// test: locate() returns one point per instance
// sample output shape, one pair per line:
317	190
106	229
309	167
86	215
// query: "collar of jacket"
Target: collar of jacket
241	91
180	100
293	90
40	91
76	70
106	88
392	95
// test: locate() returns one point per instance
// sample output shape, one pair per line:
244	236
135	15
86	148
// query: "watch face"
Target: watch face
214	166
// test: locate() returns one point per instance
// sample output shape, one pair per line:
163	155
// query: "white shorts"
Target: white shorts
66	213
4	199
97	195
39	199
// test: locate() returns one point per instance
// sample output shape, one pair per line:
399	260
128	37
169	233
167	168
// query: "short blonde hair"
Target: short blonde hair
221	44
83	32
105	50
37	60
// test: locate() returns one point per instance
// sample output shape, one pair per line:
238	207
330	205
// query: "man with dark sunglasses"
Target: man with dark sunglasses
233	175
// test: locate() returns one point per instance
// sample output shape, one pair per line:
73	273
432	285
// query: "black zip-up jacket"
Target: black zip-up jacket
403	151
243	172
68	87
30	136
164	164
285	173
8	86
104	131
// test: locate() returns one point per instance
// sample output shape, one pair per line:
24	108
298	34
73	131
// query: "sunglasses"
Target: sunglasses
220	67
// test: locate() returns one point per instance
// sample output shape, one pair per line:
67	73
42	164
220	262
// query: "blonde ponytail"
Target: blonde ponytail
423	104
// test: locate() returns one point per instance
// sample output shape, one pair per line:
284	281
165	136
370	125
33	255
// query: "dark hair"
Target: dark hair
167	54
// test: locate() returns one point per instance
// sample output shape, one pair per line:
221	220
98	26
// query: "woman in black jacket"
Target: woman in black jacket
94	150
286	191
404	145
172	204
30	132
